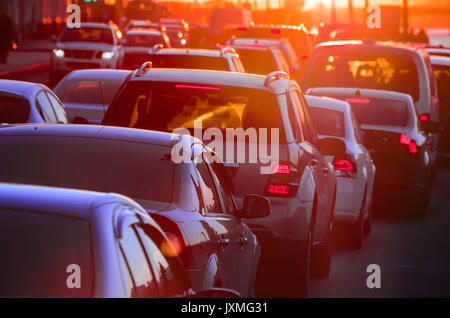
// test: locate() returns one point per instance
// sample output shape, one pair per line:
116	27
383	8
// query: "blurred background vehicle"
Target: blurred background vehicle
403	161
342	143
86	94
23	102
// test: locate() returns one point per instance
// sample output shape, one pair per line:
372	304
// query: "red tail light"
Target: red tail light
405	140
424	117
343	165
358	100
283	181
292	70
304	57
242	29
275	31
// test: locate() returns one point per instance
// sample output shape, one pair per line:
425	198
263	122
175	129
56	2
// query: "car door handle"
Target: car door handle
224	242
243	241
314	162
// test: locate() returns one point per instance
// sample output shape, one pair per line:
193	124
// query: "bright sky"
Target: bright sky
360	3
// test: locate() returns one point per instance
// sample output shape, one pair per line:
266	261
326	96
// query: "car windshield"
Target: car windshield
13	109
87	91
137	170
328	122
257	61
101	35
144	40
37	252
377	111
189	62
165	106
390	73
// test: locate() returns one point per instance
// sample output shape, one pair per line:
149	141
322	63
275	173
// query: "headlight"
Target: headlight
183	41
58	52
107	55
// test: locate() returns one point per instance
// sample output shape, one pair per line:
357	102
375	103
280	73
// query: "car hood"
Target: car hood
85	46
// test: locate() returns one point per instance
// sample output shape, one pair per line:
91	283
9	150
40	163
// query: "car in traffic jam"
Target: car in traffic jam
239	163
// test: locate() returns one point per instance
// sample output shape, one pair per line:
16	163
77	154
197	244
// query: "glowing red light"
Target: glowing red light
424	117
282	169
207	88
405	140
278	189
275	31
343	165
358	100
292	70
242	28
304	57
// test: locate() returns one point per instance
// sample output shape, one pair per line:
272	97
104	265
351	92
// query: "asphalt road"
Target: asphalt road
413	254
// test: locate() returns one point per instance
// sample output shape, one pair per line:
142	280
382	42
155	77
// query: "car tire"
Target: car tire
303	275
356	233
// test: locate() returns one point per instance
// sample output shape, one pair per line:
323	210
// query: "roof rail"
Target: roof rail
145	67
275	76
224	50
156	48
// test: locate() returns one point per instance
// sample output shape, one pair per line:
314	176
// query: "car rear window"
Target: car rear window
140	171
100	35
257	61
392	73
190	62
166	106
147	40
14	109
377	111
85	91
37	252
328	122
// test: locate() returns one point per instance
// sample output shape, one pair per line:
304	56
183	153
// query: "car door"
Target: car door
225	238
243	242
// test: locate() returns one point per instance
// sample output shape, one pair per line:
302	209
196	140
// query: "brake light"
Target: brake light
358	100
280	189
275	31
405	140
424	117
304	57
241	28
282	169
343	165
208	88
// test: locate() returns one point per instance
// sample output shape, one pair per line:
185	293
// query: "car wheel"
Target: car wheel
304	274
356	233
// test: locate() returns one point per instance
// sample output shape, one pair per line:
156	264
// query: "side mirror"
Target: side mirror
217	293
255	207
332	147
80	121
432	127
54	39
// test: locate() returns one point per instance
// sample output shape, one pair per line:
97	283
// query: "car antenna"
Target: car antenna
101	96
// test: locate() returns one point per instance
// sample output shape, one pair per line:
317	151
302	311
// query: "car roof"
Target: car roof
96	25
363	92
370	45
58	201
99	74
18	87
327	103
210	77
253	47
440	60
196	52
138	31
269	42
91	131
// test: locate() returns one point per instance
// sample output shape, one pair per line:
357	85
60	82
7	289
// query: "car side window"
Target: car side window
356	128
60	112
303	106
224	187
169	282
211	198
294	119
46	108
137	265
306	131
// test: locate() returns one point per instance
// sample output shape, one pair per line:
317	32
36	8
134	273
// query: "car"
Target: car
297	178
24	102
140	24
86	94
400	144
224	59
136	45
438	51
262	59
177	30
441	70
297	35
282	44
342	141
80	244
93	45
377	65
192	201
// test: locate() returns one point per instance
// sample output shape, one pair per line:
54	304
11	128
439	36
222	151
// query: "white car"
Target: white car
87	94
225	59
353	166
93	45
23	102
